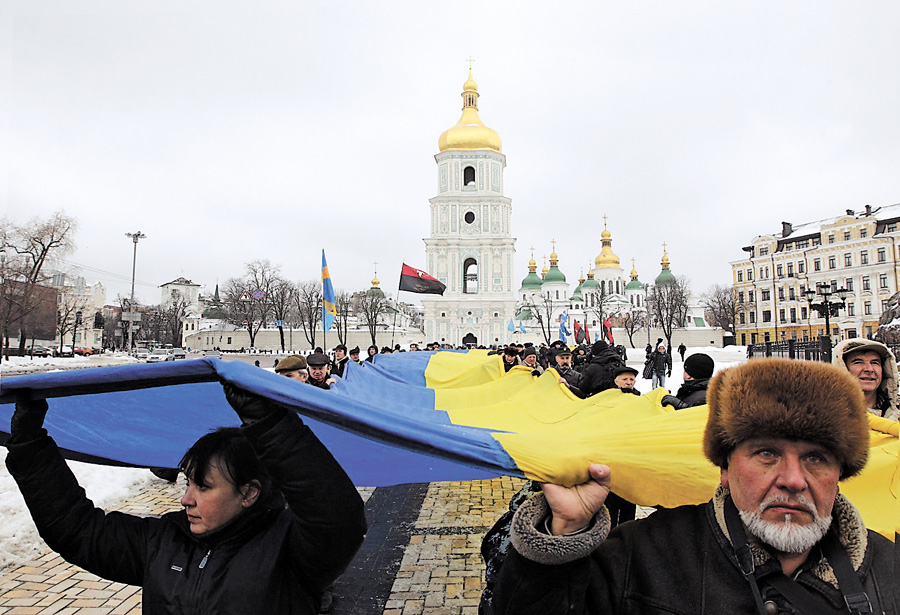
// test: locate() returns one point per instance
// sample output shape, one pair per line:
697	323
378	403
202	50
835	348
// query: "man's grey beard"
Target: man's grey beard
787	537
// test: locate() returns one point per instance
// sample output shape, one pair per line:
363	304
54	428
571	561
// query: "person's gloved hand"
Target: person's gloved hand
669	400
28	419
669	374
535	372
249	406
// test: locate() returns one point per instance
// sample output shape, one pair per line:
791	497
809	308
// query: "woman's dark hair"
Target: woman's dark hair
231	452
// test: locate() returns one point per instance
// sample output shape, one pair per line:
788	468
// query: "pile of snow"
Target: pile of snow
106	486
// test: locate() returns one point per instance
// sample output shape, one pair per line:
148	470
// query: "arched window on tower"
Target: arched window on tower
470	276
602	287
469	176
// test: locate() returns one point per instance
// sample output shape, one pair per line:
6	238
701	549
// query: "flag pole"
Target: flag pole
397	309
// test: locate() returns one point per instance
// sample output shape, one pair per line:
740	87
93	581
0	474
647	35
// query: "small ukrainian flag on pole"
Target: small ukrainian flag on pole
329	312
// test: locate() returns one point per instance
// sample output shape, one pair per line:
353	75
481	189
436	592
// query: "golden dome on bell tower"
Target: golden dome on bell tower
607	258
469	132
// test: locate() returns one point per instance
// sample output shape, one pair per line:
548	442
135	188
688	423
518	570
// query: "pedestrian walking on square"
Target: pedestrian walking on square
660	366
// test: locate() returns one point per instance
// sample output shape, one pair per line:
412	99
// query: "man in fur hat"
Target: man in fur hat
777	537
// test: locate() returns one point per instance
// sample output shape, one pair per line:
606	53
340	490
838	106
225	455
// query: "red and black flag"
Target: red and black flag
417	281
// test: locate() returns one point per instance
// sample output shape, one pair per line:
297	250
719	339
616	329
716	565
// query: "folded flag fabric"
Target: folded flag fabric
417	281
421	417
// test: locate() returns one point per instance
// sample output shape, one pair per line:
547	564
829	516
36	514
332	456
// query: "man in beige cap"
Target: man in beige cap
293	367
873	365
777	536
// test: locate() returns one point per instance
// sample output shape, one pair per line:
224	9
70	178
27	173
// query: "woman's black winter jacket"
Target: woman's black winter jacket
276	560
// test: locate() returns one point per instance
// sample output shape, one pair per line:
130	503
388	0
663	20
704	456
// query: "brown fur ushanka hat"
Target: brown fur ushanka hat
792	399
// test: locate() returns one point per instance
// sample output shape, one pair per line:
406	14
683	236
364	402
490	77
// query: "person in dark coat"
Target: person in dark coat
698	369
270	519
776	537
598	375
510	358
567	375
340	360
660	363
319	368
681	350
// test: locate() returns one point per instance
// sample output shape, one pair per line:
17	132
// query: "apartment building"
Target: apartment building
857	251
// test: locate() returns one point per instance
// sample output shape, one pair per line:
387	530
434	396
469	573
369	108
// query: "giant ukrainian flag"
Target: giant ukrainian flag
421	417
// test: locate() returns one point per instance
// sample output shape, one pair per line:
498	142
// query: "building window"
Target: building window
229	341
884	304
846	235
882	255
866	285
848	283
469	176
749	275
793	314
790	270
804	243
781	316
763	251
851	309
831	238
740	276
863	232
864	257
742	318
781	294
848	260
832	262
767	316
752	317
867	308
779	271
764	294
750	296
803	313
740	296
883	281
817	265
801	267
791	294
891	228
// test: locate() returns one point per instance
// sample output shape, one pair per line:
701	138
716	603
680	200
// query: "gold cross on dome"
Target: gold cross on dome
632	263
604	221
470	59
553	241
376	267
532	252
664	246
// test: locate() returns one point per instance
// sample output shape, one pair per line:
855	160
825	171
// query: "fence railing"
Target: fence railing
814	350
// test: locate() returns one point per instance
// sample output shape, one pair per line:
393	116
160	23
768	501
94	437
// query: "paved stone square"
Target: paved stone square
421	556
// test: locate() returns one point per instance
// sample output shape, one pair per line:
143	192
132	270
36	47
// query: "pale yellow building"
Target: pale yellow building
857	251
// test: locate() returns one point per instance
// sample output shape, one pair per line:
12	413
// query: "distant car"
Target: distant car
65	351
178	353
215	354
38	351
141	353
84	352
160	354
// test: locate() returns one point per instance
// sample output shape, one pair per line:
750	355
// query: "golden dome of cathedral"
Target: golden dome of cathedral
469	132
607	258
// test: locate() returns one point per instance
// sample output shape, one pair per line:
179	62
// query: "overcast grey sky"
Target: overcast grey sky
229	131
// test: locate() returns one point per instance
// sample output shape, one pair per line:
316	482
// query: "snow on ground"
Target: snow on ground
20	365
723	358
105	485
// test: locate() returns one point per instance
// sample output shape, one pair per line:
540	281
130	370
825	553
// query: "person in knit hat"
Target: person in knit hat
698	369
776	537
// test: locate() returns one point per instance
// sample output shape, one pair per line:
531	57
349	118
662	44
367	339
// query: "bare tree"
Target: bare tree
70	312
343	305
721	306
668	305
308	301
633	321
541	308
242	308
27	249
172	315
280	296
371	308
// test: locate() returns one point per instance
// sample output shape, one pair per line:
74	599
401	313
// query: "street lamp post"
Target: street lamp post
135	237
826	308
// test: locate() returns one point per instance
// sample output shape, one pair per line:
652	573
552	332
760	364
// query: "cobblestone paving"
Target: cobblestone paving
440	570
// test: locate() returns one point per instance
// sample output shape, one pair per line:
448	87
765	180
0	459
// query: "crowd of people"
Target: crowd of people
270	519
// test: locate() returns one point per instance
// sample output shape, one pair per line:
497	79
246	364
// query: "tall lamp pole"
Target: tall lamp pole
826	308
135	237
